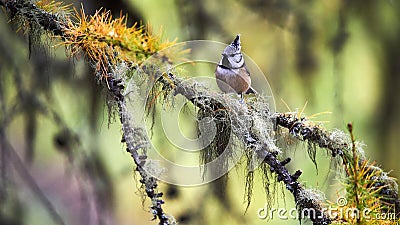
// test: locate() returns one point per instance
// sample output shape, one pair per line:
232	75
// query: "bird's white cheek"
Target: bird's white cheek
233	62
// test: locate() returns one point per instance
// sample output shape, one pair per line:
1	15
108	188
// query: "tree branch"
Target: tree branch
133	144
242	120
26	10
268	152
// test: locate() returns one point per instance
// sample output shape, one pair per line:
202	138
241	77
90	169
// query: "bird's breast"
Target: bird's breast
232	80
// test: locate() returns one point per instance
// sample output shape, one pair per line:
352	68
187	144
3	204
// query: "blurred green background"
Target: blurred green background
339	56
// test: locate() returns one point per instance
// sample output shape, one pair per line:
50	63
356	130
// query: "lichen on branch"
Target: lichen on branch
107	41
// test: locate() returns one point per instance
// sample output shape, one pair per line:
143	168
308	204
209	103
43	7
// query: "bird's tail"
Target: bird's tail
251	91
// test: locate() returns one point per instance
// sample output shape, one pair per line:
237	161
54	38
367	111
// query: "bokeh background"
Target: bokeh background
60	144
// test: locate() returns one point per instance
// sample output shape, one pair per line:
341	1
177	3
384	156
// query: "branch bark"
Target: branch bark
267	153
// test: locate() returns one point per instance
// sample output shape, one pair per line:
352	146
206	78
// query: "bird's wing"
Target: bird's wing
251	91
247	70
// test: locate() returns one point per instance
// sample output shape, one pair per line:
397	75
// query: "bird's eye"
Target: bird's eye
232	55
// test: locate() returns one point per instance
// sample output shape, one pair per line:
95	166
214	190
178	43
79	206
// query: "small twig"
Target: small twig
3	153
355	165
30	181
